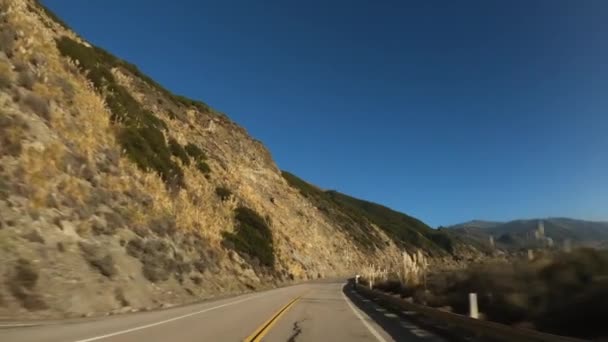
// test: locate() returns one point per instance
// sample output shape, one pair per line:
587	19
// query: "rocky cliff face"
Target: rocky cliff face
117	195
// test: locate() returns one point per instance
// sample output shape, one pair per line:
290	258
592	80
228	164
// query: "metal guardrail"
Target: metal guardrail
476	327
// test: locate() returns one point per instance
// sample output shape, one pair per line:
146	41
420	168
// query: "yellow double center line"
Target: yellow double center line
260	332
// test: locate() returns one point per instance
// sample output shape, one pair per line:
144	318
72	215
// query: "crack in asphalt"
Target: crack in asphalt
296	330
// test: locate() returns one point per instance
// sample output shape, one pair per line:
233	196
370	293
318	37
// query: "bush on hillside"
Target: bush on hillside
223	193
199	157
195	152
178	151
146	147
96	257
252	237
22	284
203	167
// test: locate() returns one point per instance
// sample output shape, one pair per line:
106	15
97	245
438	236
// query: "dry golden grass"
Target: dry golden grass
39	171
7	76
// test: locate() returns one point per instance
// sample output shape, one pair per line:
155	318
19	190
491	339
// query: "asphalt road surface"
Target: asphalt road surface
329	311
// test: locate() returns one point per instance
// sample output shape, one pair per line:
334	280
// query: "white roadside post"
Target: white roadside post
357	279
473	309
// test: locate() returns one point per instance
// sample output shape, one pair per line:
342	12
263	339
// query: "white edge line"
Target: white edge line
367	325
121	332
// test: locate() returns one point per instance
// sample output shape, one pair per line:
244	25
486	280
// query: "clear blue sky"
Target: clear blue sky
446	110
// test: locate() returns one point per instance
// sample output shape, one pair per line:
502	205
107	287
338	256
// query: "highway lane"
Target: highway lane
308	312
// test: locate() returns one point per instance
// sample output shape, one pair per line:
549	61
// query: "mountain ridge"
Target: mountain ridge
521	232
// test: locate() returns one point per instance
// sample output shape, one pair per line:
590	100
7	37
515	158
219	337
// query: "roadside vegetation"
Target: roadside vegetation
564	293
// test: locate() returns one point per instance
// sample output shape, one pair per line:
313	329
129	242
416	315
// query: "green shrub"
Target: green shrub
203	167
178	151
146	147
199	158
223	193
252	237
95	256
195	152
22	285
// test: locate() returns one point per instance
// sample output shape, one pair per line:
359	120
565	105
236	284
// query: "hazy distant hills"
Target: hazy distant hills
521	233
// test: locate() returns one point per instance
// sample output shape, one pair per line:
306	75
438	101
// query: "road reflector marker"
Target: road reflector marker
420	332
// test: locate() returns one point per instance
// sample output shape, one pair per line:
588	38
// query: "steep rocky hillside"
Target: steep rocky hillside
117	195
362	220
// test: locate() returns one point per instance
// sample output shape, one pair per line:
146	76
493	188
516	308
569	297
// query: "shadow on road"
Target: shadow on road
394	324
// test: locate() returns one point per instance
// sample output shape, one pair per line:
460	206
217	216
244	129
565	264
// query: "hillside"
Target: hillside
520	233
117	195
358	218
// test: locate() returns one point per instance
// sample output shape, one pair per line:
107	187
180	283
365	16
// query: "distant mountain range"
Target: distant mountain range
522	233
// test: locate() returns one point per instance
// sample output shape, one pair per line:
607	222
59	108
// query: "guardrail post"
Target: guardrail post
371	284
473	309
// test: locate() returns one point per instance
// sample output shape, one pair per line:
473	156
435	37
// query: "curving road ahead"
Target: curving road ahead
310	312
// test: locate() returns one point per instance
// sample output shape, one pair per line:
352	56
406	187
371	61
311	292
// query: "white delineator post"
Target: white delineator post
473	309
371	284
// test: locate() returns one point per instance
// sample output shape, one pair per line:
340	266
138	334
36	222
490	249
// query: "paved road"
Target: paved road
309	312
